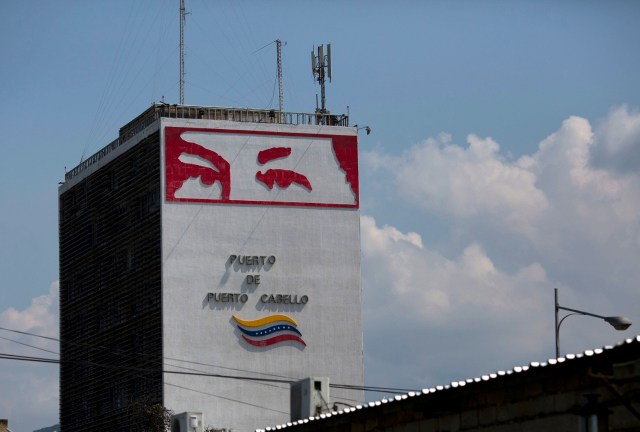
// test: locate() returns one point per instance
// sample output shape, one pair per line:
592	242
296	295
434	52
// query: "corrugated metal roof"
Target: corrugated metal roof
454	384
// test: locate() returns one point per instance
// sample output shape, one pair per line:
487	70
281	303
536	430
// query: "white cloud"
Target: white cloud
435	285
380	239
618	141
561	164
434	314
40	317
552	207
480	298
443	178
592	226
33	387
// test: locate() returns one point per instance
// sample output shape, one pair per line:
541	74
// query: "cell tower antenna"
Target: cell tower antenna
321	68
182	18
280	92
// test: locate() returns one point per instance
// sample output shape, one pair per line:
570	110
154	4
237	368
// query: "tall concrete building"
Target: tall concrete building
208	258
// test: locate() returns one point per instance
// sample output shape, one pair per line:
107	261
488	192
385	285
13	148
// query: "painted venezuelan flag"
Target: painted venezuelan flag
269	330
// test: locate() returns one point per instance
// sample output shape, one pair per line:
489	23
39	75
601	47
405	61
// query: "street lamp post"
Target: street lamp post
618	322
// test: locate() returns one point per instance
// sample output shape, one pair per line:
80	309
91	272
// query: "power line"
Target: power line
226	398
203	374
56	361
28	358
129	355
30	346
30	334
262	381
194	372
281	379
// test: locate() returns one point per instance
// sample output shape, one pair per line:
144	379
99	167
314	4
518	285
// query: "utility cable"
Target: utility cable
226	398
28	358
210	375
30	346
108	351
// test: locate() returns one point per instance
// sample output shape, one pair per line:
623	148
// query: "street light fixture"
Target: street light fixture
618	322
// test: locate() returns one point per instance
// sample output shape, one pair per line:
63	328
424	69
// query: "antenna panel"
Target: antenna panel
329	60
313	63
321	55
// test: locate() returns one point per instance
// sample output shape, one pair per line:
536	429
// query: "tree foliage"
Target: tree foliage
152	417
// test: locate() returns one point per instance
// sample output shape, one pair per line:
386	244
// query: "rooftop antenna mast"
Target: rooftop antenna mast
321	68
182	18
280	93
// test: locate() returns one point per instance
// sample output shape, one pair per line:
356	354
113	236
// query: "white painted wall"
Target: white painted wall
317	250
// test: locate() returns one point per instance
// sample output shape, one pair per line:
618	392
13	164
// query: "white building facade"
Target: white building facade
261	265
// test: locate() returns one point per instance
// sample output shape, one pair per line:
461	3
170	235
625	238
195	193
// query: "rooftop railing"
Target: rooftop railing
250	115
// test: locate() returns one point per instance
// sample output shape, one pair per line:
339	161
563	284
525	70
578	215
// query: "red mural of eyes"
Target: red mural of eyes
272	153
187	162
283	178
179	172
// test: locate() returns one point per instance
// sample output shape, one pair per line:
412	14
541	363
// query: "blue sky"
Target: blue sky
503	160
